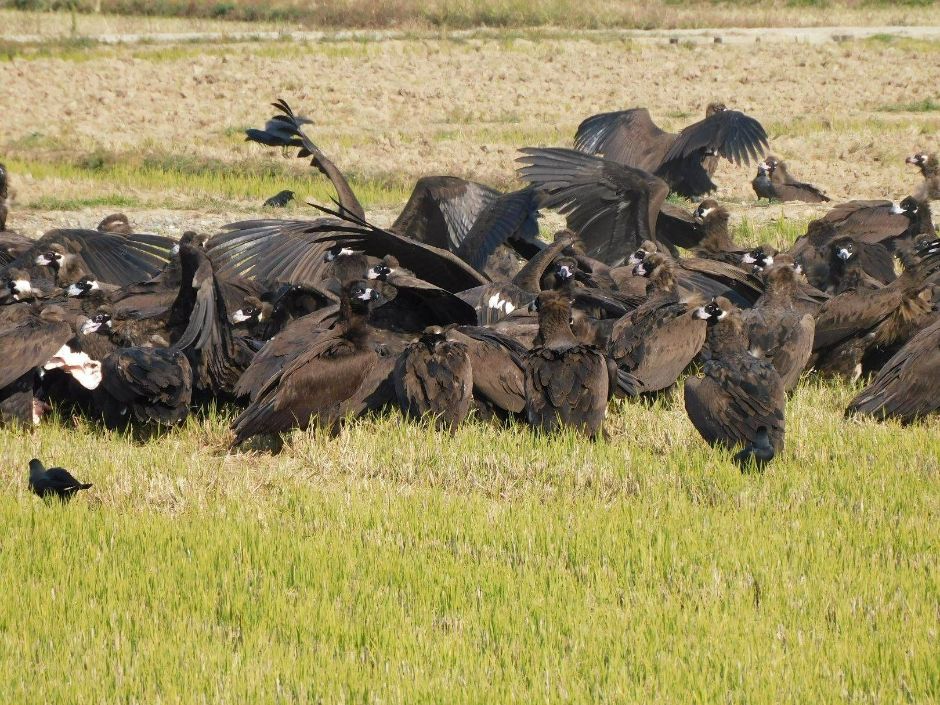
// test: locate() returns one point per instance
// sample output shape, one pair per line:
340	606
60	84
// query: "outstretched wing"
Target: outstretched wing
627	137
729	133
510	216
286	130
611	206
435	265
442	210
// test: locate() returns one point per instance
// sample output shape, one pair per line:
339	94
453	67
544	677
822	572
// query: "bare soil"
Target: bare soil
842	114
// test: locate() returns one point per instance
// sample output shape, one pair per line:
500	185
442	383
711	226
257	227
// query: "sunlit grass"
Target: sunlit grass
398	564
177	180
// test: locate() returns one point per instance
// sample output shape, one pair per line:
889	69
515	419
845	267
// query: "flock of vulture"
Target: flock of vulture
459	307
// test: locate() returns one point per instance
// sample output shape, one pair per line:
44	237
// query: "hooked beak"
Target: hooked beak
897	209
565	272
239	317
843	254
74	290
367	295
43	261
639	270
701	313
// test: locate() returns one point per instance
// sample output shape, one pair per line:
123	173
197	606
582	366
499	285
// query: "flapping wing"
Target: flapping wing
273	251
729	133
442	210
611	206
510	216
286	130
108	257
627	137
436	266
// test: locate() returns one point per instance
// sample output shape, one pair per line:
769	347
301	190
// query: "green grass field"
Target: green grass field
398	564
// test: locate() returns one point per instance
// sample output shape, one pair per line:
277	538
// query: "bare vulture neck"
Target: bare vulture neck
352	315
555	330
931	167
347	199
716	237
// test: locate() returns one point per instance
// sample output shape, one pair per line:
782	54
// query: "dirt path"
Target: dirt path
803	35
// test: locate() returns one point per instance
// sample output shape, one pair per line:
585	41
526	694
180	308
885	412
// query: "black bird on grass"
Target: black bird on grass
54	481
280	199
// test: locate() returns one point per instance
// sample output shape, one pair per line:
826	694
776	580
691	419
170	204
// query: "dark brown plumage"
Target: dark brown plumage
929	190
205	336
498	365
612	207
434	376
813	252
338	374
29	338
908	386
716	242
740	400
777	327
654	344
687	160
116	223
708	277
773	181
146	385
566	383
108	257
857	331
846	269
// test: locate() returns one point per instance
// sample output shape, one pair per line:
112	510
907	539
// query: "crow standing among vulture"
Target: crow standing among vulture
774	182
280	199
687	160
929	167
57	482
739	403
566	383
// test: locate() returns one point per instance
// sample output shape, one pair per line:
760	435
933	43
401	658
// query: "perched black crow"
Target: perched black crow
280	199
54	481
